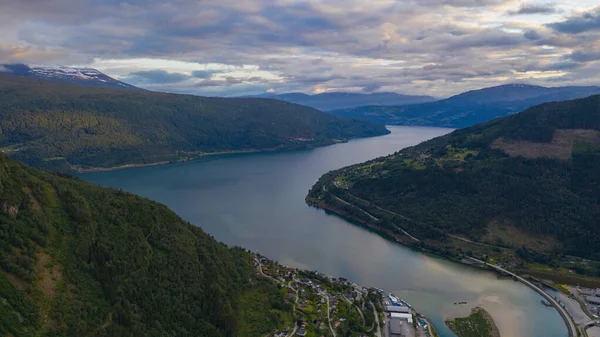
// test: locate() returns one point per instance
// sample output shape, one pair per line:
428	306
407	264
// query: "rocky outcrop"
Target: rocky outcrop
10	210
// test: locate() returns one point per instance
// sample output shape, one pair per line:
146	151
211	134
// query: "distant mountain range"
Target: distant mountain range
83	76
470	107
345	100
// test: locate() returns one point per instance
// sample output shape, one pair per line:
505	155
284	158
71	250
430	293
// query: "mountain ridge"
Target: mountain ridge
470	107
82	76
65	127
531	174
337	100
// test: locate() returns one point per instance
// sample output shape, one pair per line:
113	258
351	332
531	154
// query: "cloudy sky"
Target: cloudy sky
235	47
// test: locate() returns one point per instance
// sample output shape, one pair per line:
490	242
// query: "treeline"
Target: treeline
61	126
80	260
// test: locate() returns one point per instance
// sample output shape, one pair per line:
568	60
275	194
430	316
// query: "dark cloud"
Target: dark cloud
370	88
532	35
460	3
589	21
155	77
558	66
229	81
584	57
533	9
205	74
316	79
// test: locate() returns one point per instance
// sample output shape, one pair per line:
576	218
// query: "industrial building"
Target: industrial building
400	316
593	300
399	328
393	308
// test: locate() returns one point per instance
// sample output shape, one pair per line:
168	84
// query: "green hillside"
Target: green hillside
80	260
528	182
68	127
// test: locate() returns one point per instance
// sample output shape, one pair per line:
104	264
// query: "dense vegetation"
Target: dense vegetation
478	324
80	260
468	108
529	180
67	127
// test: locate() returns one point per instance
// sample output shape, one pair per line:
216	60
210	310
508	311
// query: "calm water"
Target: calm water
257	201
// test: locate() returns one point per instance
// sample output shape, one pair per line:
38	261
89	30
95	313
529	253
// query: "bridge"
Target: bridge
562	311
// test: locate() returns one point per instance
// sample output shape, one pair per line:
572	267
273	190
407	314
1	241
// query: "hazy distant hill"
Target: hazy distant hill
470	107
82	76
66	127
529	179
344	100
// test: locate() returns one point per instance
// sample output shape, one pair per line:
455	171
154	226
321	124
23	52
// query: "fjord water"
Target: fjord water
257	201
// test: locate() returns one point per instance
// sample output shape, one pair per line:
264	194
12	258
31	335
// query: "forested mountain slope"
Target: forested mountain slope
81	260
529	179
67	127
469	108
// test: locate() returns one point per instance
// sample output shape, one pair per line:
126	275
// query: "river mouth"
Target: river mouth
257	201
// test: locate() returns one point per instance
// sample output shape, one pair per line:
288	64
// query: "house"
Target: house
301	332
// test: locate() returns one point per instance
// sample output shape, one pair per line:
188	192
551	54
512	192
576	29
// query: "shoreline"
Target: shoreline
388	234
199	155
80	170
405	240
376	301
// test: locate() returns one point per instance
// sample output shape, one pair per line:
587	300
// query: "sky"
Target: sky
242	47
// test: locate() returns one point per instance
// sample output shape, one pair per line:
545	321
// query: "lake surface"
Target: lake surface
257	201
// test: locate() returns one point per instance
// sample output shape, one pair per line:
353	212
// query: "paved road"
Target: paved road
370	215
477	243
349	204
329	318
289	285
565	315
390	212
376	319
357	308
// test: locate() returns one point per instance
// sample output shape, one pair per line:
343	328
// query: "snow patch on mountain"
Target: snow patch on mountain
83	76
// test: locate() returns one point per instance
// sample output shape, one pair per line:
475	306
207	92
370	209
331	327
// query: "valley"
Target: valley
300	168
256	201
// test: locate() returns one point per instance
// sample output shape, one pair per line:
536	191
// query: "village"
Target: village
330	307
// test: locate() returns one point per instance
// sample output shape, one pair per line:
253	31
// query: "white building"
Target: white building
398	315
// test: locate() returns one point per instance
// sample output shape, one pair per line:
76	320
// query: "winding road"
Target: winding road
328	317
562	311
376	319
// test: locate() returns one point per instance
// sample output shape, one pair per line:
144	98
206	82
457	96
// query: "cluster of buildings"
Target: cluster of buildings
592	297
399	318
